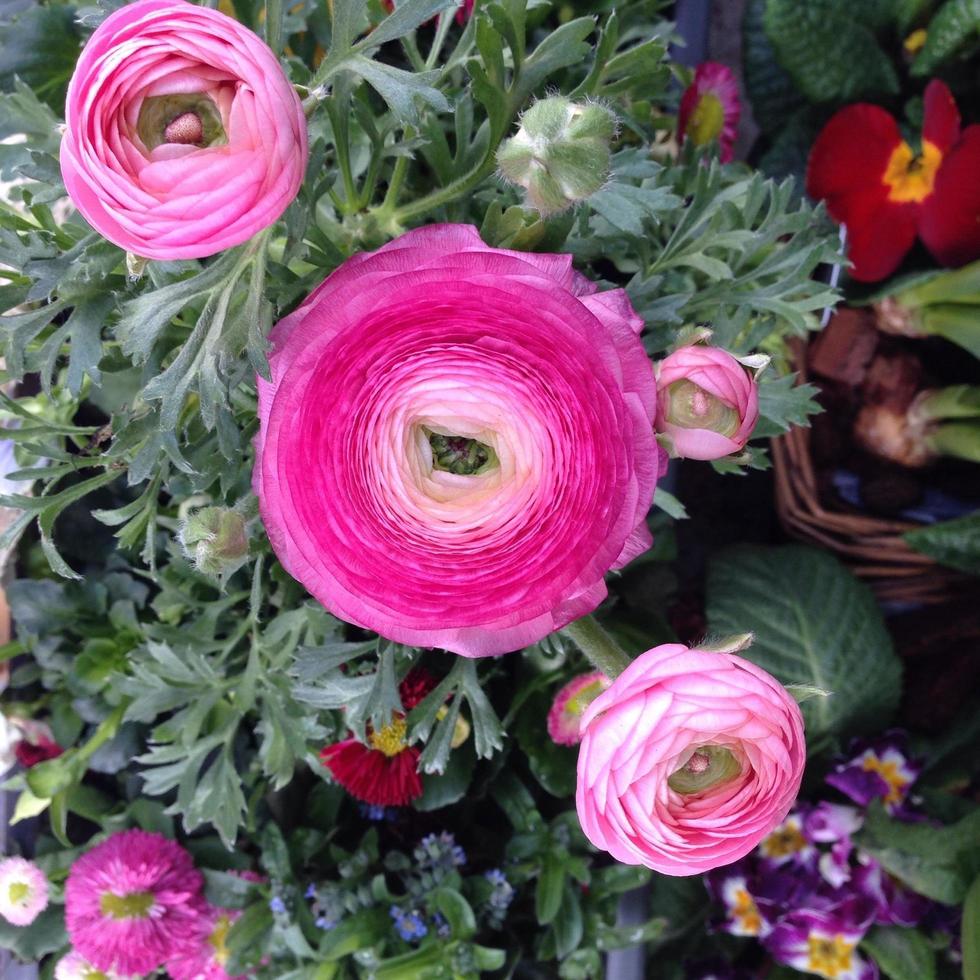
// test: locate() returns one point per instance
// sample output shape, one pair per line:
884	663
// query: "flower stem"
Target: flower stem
273	25
604	652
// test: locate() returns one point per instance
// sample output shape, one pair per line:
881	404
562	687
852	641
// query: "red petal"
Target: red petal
416	684
373	777
848	161
950	221
941	122
879	239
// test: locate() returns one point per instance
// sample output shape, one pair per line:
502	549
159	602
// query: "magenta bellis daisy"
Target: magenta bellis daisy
132	901
206	957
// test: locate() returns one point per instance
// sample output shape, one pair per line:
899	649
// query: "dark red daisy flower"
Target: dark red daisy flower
385	771
886	193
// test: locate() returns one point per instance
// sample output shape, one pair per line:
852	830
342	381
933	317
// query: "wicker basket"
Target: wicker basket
873	547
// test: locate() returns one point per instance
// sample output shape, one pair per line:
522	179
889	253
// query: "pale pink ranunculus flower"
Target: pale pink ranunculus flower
688	760
457	442
707	402
183	135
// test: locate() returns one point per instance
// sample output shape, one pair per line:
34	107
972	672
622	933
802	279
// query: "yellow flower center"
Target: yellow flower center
391	738
783	841
888	770
578	702
219	940
135	905
746	913
915	42
830	957
707	121
93	974
909	177
18	892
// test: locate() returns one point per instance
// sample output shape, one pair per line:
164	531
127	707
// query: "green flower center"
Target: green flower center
135	905
186	118
18	892
578	702
707	121
691	407
708	766
459	455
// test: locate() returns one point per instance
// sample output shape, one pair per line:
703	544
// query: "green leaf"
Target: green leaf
783	404
40	44
937	862
628	208
404	18
971	932
850	63
770	88
46	934
561	47
402	90
553	766
901	953
247	937
450	786
955	25
814	624
568	925
457	912
955	543
669	504
550	888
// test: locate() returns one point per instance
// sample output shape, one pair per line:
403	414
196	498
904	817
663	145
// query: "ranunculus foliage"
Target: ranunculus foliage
688	760
184	136
456	444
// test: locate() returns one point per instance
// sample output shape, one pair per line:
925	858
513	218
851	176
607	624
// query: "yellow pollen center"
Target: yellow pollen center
219	940
746	913
134	905
391	738
888	770
910	178
783	842
18	892
830	957
707	121
915	42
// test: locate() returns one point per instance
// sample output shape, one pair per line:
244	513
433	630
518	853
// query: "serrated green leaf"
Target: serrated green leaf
955	25
814	624
783	404
401	89
955	543
851	63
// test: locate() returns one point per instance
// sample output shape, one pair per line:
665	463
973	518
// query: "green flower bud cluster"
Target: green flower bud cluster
216	540
561	153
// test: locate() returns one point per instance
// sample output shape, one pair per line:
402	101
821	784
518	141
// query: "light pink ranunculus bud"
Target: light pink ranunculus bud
184	137
688	760
707	402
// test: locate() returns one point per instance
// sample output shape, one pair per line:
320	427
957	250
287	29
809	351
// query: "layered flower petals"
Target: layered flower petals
434	346
676	710
183	135
707	402
132	902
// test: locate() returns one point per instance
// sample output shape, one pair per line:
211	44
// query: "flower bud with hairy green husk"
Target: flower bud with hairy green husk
560	155
216	540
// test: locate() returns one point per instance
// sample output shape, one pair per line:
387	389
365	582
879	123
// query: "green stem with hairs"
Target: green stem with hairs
273	25
604	652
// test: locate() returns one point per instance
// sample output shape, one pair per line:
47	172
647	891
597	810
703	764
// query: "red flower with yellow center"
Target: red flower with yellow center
384	772
887	193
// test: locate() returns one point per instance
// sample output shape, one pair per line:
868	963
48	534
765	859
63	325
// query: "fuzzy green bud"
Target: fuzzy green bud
560	154
215	540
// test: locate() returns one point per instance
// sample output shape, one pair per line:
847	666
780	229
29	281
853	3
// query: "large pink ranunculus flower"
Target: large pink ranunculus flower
707	402
688	760
456	444
184	136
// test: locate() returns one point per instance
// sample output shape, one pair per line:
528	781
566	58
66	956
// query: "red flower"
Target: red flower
886	193
31	753
384	772
710	109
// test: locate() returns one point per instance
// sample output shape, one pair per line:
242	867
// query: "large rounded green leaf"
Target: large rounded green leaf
830	48
815	624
